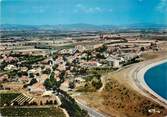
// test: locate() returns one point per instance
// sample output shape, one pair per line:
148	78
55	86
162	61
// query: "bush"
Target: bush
97	84
33	81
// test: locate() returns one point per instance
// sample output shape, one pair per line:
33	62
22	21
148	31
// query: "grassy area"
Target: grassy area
32	112
30	59
67	46
26	60
100	70
11	73
92	83
7	97
56	47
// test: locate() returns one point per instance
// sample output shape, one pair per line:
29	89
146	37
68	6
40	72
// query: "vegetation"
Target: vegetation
26	60
71	106
55	47
142	49
7	97
134	60
32	112
92	83
46	71
119	97
51	82
11	74
10	111
100	70
100	56
101	49
54	67
33	81
29	59
71	84
88	56
3	65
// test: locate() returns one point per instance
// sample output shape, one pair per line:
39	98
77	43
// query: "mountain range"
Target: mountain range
82	27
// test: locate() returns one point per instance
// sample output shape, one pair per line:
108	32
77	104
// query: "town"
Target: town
47	72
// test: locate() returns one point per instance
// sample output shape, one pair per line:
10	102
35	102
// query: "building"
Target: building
91	64
10	67
37	88
115	62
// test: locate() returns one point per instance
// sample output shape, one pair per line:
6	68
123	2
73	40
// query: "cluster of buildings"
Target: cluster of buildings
114	52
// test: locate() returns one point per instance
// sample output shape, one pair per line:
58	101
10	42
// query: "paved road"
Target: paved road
91	112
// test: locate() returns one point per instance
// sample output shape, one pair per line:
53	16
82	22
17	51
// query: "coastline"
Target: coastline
126	77
141	84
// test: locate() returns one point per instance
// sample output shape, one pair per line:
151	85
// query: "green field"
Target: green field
32	112
7	97
19	111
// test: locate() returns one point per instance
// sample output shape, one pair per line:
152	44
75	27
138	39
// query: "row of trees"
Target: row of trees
71	106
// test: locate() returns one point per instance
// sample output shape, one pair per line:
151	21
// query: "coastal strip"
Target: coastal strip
140	82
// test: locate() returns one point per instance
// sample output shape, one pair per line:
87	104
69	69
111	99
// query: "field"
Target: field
32	112
21	111
7	97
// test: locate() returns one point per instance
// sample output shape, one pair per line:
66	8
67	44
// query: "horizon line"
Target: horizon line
86	24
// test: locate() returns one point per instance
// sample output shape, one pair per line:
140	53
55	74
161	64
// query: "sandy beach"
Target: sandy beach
141	82
138	79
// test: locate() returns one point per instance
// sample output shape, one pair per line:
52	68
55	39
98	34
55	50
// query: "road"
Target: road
91	112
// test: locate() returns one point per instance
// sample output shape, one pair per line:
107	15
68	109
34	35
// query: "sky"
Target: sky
99	12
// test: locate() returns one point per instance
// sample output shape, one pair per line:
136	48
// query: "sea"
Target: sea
156	79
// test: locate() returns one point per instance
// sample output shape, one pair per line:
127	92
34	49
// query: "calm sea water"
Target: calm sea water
156	78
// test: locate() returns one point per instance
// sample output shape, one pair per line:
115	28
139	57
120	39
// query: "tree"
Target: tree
142	49
3	65
83	71
19	73
37	74
31	75
54	67
33	81
47	84
51	82
101	49
99	56
71	85
46	71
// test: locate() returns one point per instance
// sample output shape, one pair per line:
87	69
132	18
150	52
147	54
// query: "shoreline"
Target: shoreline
127	77
142	85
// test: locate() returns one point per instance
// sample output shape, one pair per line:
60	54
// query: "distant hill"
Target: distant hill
147	25
81	27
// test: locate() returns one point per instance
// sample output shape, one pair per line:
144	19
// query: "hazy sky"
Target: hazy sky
115	12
